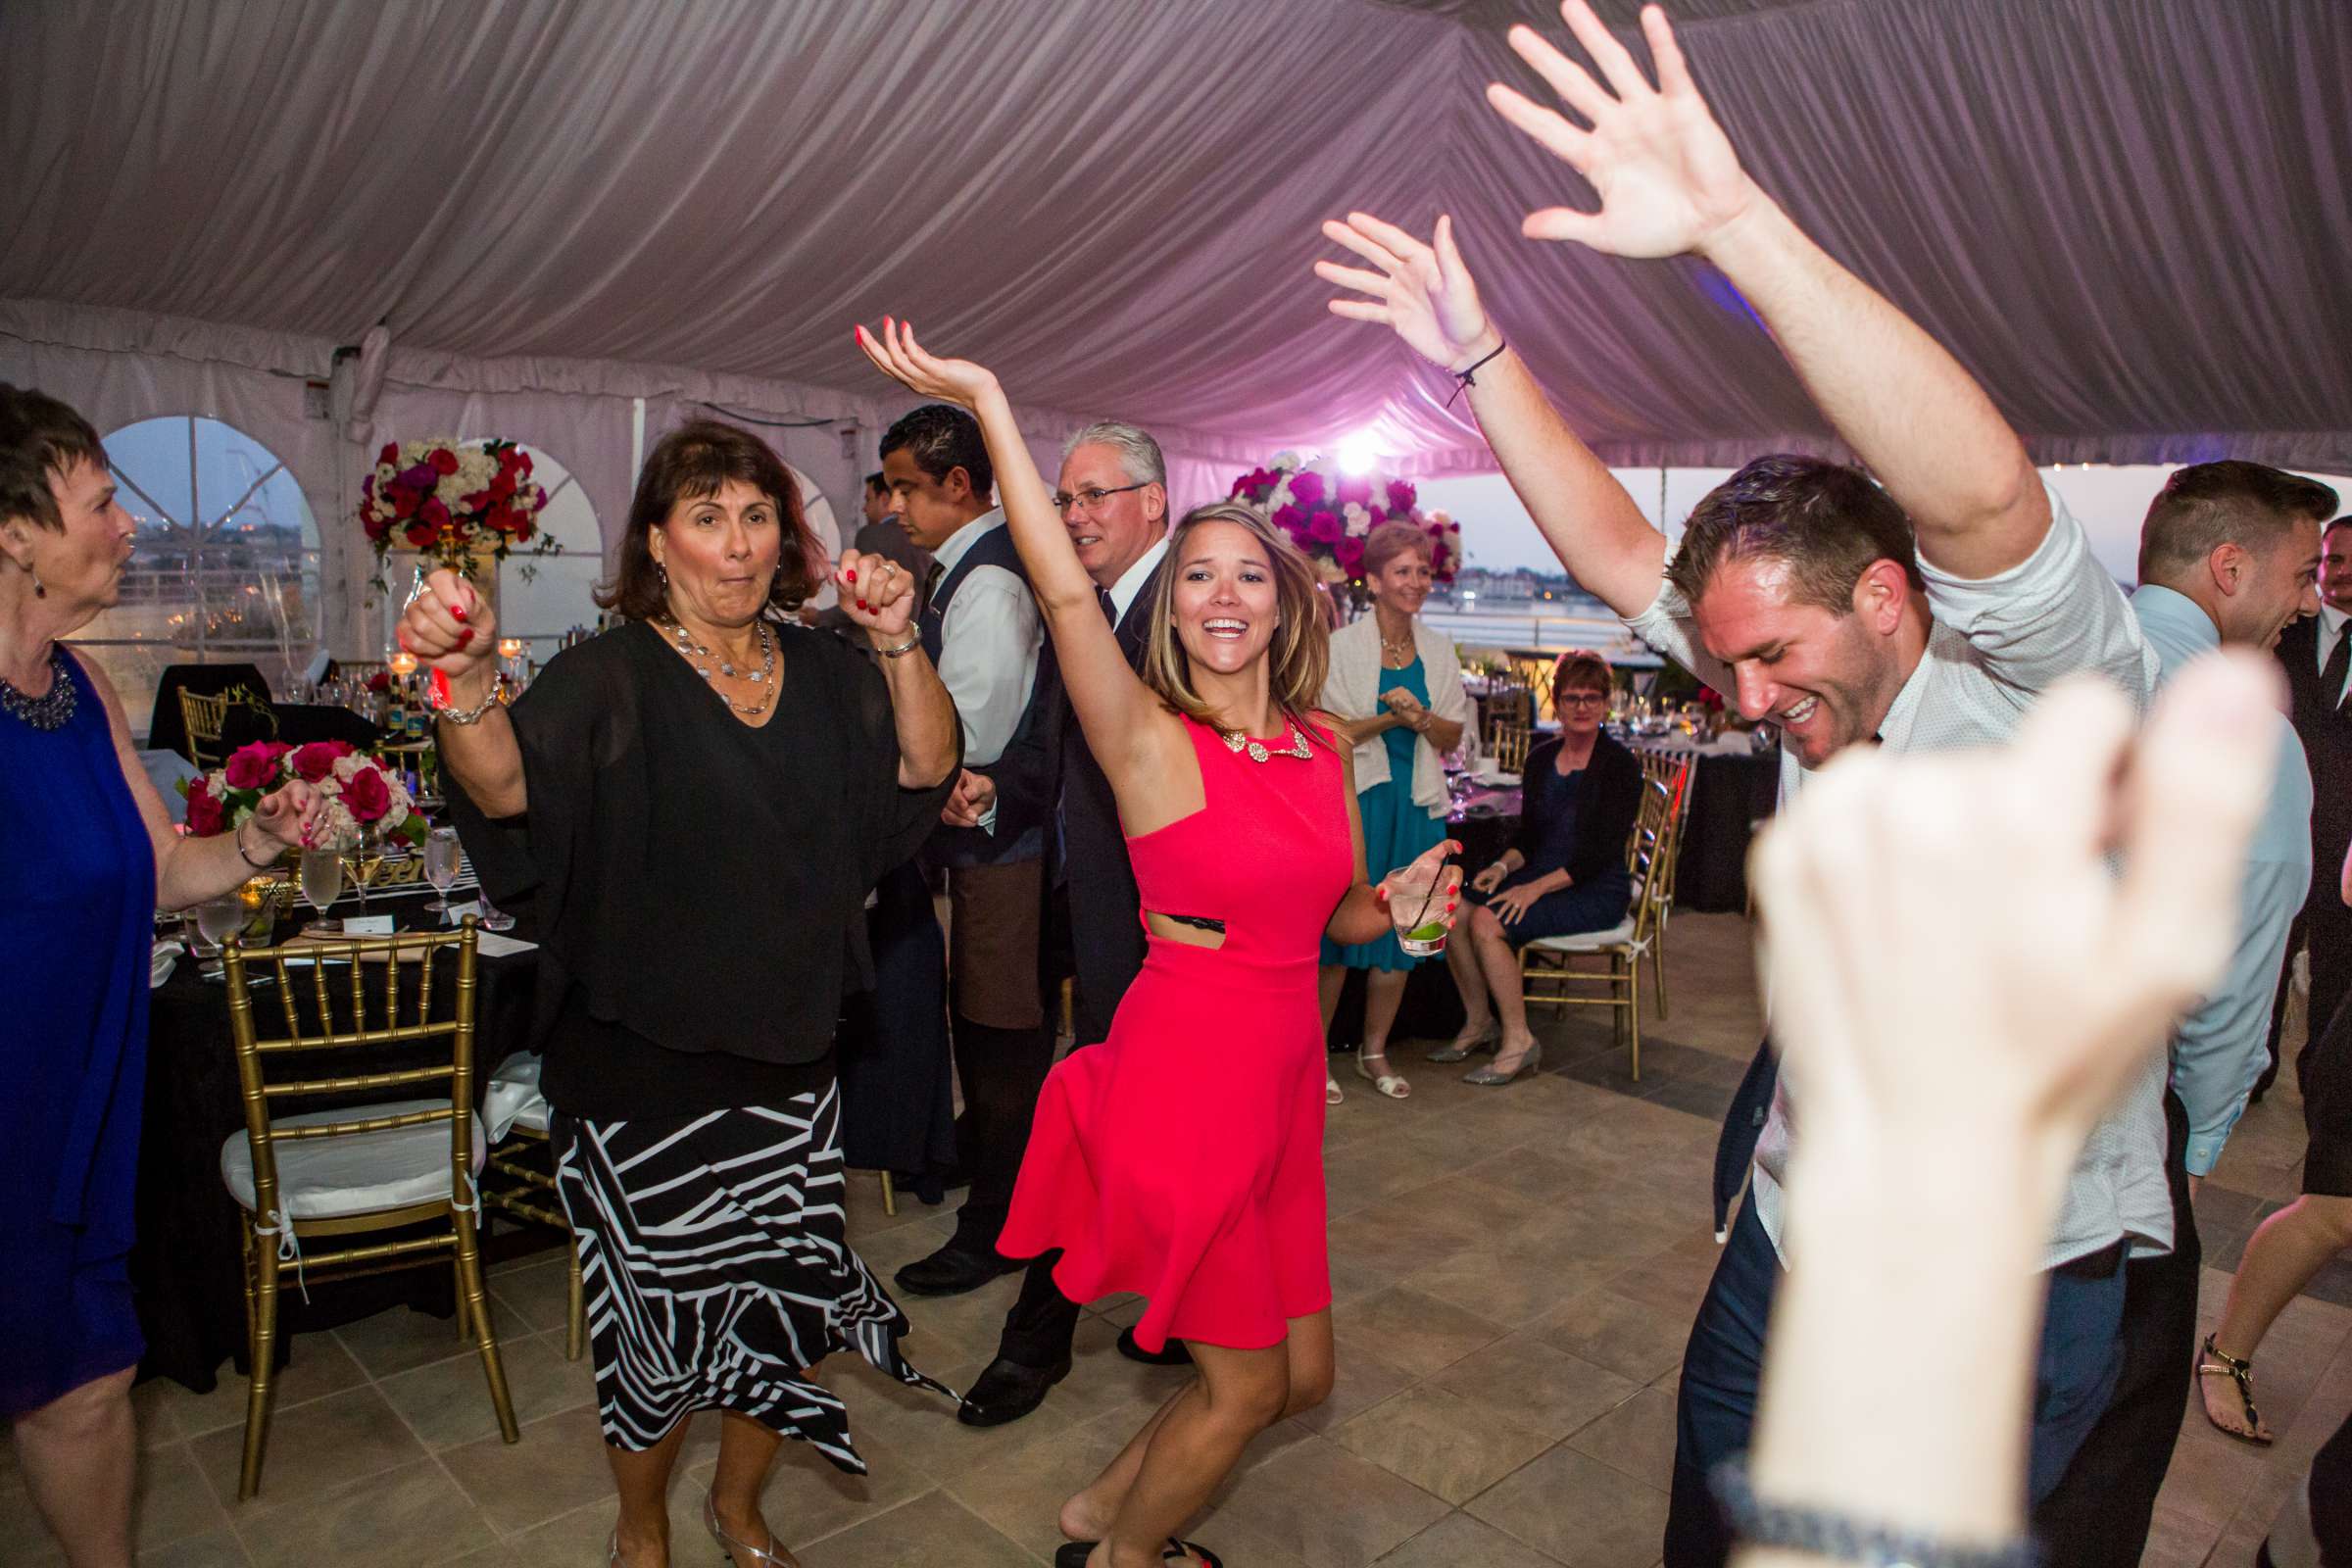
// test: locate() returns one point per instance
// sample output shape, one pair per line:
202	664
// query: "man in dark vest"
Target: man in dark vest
980	624
1113	496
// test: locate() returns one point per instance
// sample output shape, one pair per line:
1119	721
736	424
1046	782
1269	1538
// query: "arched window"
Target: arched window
542	596
224	566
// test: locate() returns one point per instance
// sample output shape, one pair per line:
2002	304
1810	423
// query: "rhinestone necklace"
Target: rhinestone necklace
695	651
1257	751
49	711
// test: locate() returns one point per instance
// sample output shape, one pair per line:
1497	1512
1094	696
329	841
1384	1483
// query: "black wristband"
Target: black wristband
1841	1539
1469	378
239	837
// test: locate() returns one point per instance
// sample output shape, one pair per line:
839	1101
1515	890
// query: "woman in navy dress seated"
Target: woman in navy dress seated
88	855
1563	875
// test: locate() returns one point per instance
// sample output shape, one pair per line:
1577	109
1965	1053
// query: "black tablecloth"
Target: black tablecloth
166	730
188	1264
298	724
1729	794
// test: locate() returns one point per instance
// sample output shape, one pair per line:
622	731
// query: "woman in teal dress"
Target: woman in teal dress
1398	688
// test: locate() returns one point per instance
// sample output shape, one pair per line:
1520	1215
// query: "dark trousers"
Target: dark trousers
1002	1071
2099	1513
2075	1373
2326	934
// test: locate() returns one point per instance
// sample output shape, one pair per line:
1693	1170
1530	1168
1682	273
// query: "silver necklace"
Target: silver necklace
695	651
1257	751
52	708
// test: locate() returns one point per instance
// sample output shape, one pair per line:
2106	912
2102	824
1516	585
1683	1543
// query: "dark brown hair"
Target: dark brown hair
1582	669
690	462
1828	522
2208	504
40	437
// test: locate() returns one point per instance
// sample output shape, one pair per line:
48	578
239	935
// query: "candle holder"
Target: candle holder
401	663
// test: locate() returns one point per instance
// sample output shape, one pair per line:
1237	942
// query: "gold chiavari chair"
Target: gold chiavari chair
349	1170
1547	966
1508	746
520	1179
1508	703
205	719
1681	777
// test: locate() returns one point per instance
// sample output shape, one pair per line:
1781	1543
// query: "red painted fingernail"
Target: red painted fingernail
852	577
465	636
862	604
457	612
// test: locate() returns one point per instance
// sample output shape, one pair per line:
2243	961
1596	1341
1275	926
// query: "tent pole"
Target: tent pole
636	438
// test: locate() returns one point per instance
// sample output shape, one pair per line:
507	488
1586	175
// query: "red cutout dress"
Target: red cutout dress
1182	1158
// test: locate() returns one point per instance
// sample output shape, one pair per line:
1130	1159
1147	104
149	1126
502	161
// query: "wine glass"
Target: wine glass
365	859
323	879
441	861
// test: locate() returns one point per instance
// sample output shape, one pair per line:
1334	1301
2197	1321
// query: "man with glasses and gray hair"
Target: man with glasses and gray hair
1114	494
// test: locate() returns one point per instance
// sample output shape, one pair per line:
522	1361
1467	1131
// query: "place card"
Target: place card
367	925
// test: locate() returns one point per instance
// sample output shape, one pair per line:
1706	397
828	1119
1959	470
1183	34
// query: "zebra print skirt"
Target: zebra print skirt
714	1256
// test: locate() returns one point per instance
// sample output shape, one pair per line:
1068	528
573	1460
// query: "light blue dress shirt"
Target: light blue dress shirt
2222	1048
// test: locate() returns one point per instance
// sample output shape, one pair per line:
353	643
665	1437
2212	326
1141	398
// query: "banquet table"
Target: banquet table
187	1266
299	724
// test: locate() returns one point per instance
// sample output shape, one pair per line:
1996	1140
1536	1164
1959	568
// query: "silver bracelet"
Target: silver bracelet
460	717
902	650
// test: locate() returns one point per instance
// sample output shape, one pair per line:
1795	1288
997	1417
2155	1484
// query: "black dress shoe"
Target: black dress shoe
1007	1391
1173	1353
955	1270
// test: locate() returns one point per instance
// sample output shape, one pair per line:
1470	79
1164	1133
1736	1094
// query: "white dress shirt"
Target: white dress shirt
988	646
1131	581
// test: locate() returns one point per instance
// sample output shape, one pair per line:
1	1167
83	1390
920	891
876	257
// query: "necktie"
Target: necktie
1110	611
931	583
2331	673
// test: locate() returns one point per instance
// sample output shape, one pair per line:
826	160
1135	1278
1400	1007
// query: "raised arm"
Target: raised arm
1427	296
1670	183
1117	710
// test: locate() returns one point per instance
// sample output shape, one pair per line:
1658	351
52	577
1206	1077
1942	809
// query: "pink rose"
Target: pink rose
365	796
255	767
1306	489
316	760
1325	527
1350	554
204	809
1401	495
1290	519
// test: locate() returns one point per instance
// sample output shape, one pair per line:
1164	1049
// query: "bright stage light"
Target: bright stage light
1355	453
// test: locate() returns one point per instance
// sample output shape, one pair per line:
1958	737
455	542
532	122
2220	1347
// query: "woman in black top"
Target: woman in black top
693	806
1564	875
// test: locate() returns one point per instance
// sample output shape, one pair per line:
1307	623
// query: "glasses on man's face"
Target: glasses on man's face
1067	502
1580	699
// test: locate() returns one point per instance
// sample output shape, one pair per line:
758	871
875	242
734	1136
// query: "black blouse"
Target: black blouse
697	886
1605	797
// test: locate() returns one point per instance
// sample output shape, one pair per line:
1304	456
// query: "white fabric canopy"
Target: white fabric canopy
2131	218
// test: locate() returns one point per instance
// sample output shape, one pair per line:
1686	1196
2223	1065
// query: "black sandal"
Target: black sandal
2240	1372
1074	1553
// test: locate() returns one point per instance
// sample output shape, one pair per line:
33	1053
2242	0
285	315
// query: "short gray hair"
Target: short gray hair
1138	453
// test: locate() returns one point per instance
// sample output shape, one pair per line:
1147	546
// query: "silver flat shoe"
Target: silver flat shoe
1493	1075
742	1553
1485	1040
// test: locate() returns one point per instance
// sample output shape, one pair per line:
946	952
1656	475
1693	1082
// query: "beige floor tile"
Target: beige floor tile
414	1514
321	1366
2178	1541
1578	1510
557	1468
1459	1541
313	1449
1675	1281
1531	1384
1439	1442
1616	1333
215	1549
1416	1333
1360	1379
1510	1285
809	1500
1637	1438
171	1501
1290	1500
919	1427
1104	1383
578	1539
966	1325
1021	1490
933	1531
449	1402
532	1300
398	1340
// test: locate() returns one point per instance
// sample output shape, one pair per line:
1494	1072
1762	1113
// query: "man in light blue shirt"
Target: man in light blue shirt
2229	554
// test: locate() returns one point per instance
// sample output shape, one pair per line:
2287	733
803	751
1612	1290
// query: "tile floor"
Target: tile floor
1514	1274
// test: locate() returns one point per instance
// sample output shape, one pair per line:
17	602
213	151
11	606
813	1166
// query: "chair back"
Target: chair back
267	1064
1508	703
1508	746
1656	838
205	719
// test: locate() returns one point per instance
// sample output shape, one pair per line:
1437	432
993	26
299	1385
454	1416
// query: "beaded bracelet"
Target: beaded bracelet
1841	1539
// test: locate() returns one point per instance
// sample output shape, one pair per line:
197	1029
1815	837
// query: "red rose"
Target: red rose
434	513
523	458
390	454
255	767
1306	490
443	461
1349	554
422	534
380	681
204	809
365	796
523	529
1325	527
1377	516
1291	520
1401	495
316	760
375	527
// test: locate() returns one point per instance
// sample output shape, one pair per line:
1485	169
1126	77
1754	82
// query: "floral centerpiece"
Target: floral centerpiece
360	791
1329	516
456	501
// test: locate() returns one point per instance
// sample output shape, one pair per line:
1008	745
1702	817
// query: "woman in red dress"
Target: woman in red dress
1182	1158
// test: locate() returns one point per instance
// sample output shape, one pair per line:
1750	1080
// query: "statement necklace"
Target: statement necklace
695	652
1257	751
52	708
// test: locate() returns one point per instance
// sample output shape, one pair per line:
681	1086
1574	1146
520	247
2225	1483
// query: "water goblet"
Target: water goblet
322	877
442	857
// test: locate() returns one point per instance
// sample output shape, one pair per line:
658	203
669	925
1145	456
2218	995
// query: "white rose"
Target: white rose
1285	461
1278	497
1441	518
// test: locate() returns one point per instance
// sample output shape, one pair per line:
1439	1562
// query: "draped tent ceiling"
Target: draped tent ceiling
2131	218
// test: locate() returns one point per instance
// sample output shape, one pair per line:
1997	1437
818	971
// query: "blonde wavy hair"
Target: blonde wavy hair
1300	655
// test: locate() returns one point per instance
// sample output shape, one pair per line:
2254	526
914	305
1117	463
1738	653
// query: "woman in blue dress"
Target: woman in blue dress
88	855
1396	687
1563	875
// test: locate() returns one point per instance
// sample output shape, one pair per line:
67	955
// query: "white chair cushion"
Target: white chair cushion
513	1098
1616	936
327	1178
